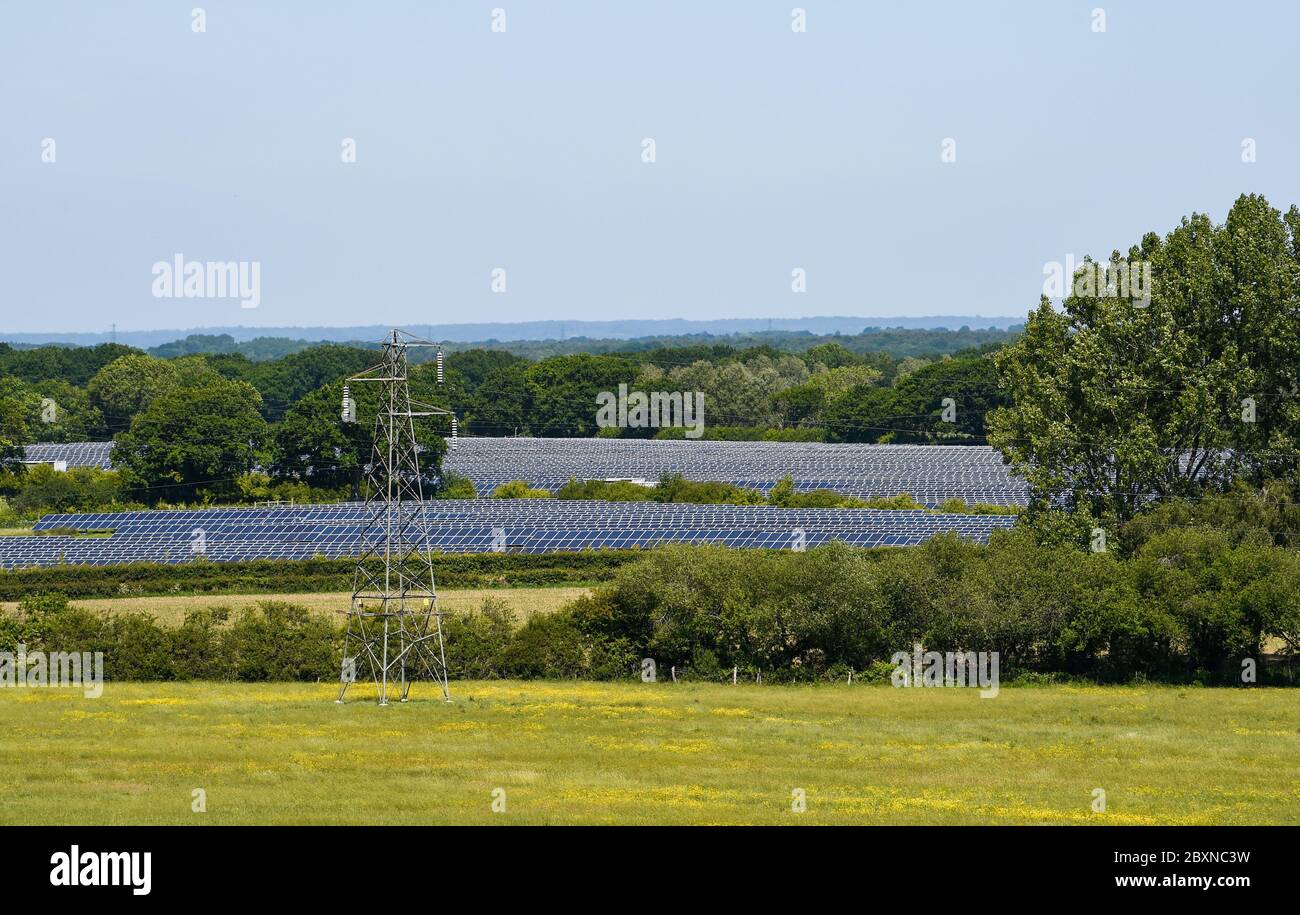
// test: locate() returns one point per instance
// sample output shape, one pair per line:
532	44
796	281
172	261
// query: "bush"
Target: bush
615	491
1187	608
548	645
280	641
42	489
274	641
281	576
519	489
1190	607
476	641
454	486
676	488
197	649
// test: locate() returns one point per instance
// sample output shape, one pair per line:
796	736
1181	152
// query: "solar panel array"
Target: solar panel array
526	526
931	474
76	454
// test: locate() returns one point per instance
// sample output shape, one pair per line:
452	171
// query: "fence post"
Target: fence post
734	670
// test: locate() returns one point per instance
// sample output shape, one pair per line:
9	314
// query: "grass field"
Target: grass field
170	610
650	753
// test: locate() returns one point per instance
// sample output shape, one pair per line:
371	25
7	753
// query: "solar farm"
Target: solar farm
522	526
930	474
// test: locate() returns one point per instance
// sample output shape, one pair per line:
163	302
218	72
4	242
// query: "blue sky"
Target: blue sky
523	150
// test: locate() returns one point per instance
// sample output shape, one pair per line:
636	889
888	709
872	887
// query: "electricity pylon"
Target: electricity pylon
394	629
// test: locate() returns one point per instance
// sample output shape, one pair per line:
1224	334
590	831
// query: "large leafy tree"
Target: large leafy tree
476	365
14	432
47	411
946	401
193	441
563	391
1116	401
127	385
315	445
803	404
283	381
60	412
502	402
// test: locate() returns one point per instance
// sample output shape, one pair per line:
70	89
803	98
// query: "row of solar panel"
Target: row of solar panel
349	515
19	552
467	526
925	492
73	454
932	474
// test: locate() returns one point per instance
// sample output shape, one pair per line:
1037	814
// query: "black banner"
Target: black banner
341	865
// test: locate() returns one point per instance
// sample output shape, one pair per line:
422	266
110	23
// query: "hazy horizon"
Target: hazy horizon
518	331
131	138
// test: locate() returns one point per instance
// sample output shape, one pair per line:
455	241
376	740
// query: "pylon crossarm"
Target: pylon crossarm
433	410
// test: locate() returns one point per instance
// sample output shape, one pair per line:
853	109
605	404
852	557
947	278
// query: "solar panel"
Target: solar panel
526	525
74	454
931	474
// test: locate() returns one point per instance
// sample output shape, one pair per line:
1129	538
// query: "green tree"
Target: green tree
475	365
193	442
502	403
917	408
60	412
14	432
804	403
284	381
313	443
1116	401
563	391
58	362
833	355
45	489
127	385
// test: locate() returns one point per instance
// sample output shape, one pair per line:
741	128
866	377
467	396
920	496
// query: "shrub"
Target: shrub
197	649
42	489
280	641
519	489
476	641
271	576
1187	608
454	486
613	491
548	645
675	488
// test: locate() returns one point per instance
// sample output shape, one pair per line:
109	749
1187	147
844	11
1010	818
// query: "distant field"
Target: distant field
171	610
650	753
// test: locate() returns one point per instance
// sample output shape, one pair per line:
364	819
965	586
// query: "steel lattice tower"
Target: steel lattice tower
394	629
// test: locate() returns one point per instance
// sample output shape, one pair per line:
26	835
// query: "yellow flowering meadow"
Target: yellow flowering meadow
570	752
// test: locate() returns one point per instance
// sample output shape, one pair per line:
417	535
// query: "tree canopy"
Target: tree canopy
1116	402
